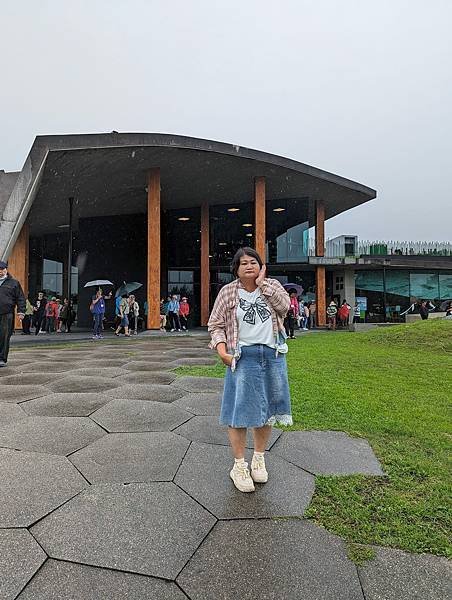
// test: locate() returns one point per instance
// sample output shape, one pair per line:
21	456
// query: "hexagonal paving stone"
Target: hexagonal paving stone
106	372
290	559
31	378
65	405
20	558
148	391
136	365
44	367
139	415
204	475
131	457
200	384
147	528
83	384
200	404
163	378
328	452
20	393
397	575
67	581
106	362
32	485
207	429
11	413
55	435
7	371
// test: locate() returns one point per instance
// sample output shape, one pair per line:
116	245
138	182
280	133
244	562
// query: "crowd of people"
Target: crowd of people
301	315
47	315
174	313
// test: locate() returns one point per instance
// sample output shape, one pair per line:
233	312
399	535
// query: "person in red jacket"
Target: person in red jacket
184	311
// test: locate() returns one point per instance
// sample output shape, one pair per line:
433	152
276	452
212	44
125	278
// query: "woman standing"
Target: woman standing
246	326
292	314
184	311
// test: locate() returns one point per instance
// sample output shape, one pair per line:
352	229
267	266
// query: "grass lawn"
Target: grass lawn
393	387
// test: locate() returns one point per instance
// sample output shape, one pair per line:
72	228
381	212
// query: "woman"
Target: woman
173	313
292	314
65	316
134	311
246	326
124	311
184	311
97	308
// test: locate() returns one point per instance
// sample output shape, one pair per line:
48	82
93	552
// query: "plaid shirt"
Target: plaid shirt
223	325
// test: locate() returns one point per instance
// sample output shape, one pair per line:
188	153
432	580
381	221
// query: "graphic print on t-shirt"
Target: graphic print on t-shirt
251	308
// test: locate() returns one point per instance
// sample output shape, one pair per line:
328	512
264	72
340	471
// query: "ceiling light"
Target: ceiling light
279	209
183	219
247	225
222	243
62	226
249	234
233	209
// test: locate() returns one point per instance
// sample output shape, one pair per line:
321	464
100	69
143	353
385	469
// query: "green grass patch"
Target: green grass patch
393	387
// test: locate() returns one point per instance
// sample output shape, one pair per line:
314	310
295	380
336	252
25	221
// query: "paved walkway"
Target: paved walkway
114	484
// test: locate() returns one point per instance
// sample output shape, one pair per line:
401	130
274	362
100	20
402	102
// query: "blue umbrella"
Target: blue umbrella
128	288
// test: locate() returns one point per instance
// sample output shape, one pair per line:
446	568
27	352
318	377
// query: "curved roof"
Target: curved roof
109	169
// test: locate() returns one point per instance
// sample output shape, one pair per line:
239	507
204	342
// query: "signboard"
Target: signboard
362	303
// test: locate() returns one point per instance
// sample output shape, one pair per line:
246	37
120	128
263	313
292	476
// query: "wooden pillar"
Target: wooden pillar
259	216
205	264
320	269
18	262
153	265
320	287
319	228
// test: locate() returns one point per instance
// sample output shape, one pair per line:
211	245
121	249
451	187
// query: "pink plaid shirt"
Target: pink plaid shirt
223	326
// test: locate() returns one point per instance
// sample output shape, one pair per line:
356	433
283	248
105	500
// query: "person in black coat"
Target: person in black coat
11	295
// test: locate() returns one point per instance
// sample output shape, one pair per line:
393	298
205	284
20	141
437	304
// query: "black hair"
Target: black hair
292	291
246	251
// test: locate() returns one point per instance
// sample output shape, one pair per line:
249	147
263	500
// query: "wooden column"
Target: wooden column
18	262
153	266
205	264
319	228
320	269
320	287
259	216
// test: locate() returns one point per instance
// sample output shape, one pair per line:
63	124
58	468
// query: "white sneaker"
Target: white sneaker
172	330
258	471
240	475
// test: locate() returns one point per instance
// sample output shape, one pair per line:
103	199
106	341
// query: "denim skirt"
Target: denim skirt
257	392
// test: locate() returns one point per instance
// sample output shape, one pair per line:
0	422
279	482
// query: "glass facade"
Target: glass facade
231	226
391	292
287	230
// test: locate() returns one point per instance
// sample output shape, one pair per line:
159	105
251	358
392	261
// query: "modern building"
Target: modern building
167	211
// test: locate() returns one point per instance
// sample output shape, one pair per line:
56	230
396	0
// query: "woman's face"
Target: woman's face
249	268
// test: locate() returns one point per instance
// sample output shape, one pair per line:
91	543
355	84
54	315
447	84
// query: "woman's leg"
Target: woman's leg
261	435
237	438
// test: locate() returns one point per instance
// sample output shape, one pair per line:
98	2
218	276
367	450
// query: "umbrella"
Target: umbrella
444	305
98	283
295	286
127	288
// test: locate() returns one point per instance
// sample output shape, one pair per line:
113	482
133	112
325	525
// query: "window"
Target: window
52	277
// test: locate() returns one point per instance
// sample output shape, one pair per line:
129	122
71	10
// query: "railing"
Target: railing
339	249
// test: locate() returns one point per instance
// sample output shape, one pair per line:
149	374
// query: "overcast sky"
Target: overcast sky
356	87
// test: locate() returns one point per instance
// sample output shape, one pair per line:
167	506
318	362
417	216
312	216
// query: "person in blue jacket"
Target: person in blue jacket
98	310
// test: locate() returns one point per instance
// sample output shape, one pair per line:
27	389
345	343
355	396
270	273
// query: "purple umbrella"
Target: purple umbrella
295	286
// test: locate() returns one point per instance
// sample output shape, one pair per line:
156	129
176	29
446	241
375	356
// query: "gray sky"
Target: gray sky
359	88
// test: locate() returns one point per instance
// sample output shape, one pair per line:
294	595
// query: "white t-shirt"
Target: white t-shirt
254	319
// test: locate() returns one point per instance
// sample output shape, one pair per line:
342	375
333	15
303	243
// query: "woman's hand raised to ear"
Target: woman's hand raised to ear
260	278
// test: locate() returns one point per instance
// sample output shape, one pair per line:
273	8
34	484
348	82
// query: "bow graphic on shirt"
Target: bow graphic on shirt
250	310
